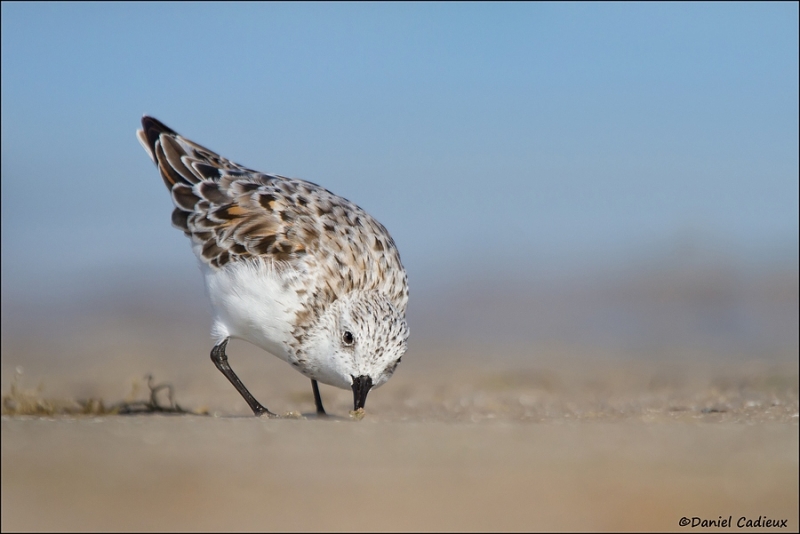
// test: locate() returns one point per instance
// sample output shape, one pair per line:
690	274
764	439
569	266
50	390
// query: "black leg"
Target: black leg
220	359
317	398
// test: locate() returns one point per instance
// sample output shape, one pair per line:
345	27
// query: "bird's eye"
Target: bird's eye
347	338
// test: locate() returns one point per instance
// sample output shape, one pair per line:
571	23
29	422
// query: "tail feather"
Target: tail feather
180	160
153	128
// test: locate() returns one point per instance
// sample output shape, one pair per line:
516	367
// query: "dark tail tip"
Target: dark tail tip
153	128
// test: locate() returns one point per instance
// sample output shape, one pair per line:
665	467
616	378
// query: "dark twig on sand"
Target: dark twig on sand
153	405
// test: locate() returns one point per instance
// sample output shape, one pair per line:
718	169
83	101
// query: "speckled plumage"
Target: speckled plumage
285	252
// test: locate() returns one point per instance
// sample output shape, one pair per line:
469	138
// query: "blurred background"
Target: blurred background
605	176
596	203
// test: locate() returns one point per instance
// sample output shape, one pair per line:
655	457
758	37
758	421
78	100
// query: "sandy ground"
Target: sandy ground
599	410
573	439
188	473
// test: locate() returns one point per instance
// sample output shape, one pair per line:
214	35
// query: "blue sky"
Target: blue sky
520	136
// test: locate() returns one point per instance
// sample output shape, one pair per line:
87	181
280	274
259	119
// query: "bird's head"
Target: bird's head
356	343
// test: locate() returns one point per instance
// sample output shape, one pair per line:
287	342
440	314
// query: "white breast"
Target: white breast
256	303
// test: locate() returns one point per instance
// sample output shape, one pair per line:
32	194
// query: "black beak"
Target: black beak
361	387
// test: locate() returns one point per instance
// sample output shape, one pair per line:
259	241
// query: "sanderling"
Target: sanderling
290	267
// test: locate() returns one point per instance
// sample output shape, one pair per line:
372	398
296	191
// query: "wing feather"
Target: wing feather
220	204
234	214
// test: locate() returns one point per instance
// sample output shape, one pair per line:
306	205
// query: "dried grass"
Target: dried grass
19	401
